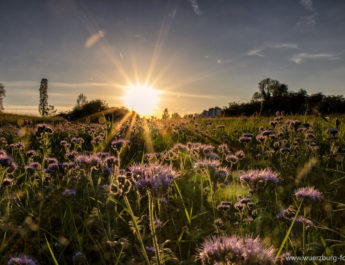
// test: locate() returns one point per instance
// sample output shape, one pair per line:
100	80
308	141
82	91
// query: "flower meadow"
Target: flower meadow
187	191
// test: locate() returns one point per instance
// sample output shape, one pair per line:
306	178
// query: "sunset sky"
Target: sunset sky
197	53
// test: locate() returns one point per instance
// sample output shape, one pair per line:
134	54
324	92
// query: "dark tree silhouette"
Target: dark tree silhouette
44	109
2	95
81	100
43	106
165	115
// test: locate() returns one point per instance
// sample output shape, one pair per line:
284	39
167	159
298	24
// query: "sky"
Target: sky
197	53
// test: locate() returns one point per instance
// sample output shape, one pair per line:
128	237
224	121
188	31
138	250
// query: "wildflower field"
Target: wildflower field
186	191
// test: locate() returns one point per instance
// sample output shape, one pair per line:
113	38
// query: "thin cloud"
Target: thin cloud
301	57
307	5
190	95
279	45
20	84
276	45
256	52
93	39
196	7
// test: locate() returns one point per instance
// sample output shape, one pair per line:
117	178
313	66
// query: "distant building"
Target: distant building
212	112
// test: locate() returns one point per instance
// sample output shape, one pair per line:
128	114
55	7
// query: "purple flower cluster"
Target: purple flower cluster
156	178
235	250
259	180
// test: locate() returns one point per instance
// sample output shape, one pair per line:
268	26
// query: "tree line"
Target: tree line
274	96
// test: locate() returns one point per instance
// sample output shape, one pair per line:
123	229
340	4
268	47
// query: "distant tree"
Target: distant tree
43	106
165	114
2	95
81	100
270	88
175	116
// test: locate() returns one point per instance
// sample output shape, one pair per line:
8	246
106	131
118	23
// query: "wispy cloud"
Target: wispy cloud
307	21
276	45
93	39
301	57
308	5
279	45
196	7
256	52
190	95
22	84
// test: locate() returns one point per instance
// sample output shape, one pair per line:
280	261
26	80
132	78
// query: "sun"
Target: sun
141	98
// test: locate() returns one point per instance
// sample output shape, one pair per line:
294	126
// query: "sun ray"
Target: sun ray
147	137
129	131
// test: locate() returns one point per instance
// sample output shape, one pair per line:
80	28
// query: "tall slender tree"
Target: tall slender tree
2	95
43	106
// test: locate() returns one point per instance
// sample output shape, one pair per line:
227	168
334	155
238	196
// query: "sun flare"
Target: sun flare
141	98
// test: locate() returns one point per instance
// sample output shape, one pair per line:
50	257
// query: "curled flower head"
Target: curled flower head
309	195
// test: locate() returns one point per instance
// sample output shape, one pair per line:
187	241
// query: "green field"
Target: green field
185	191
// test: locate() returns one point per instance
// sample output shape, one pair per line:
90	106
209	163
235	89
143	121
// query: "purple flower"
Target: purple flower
223	172
79	256
71	155
33	166
244	139
332	132
223	149
240	154
51	160
224	206
6	161
30	153
21	260
207	163
69	192
158	224
309	195
232	159
285	150
235	250
118	144
42	128
211	155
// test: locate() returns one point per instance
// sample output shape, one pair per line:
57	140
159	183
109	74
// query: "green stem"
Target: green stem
153	230
137	231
